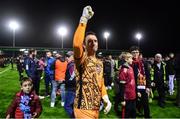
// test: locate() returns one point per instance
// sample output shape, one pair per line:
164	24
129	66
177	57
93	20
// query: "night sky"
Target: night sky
123	18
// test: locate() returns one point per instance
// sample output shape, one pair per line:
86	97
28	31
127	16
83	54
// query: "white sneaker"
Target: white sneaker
52	104
41	77
62	104
41	97
109	87
112	84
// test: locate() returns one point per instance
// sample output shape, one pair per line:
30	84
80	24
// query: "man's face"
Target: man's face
158	58
27	87
69	59
34	53
48	54
57	55
135	54
91	43
171	55
110	57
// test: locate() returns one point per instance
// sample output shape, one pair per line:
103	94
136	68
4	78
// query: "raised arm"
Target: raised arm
80	32
78	41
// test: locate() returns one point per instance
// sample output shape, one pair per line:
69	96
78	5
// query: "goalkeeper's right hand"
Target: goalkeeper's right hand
86	15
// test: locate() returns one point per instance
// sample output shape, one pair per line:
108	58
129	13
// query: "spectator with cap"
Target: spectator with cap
70	84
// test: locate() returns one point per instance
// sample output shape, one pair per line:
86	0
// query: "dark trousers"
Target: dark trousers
130	109
69	102
117	103
178	91
107	80
20	75
47	80
161	92
12	66
143	102
36	83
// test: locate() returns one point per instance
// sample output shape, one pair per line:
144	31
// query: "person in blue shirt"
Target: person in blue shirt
48	71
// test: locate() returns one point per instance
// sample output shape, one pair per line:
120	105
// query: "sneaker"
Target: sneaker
109	87
41	97
62	104
46	94
112	84
52	104
162	105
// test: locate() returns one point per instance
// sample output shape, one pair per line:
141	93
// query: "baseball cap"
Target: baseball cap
69	53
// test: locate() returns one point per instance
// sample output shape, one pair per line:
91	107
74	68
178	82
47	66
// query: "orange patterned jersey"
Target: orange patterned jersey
93	87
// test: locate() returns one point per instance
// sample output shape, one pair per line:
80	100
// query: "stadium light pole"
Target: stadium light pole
14	25
138	36
106	36
62	31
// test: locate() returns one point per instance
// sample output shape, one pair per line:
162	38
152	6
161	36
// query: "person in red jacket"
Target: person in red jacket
127	88
26	103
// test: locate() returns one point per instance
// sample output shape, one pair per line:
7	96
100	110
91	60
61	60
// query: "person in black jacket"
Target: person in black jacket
142	79
177	69
159	78
19	64
70	84
107	73
120	62
32	71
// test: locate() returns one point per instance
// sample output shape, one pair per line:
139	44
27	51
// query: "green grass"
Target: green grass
9	85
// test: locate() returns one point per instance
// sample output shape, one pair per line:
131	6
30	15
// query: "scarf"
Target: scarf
139	65
24	106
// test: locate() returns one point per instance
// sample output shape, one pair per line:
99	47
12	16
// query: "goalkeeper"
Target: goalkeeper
90	88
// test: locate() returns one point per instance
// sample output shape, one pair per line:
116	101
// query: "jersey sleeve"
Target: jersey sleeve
78	41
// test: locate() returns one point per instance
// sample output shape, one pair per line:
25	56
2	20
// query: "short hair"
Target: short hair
48	51
122	55
31	51
132	48
158	55
24	79
90	33
171	54
126	55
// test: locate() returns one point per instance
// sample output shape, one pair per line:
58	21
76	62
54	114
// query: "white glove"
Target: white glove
86	15
108	106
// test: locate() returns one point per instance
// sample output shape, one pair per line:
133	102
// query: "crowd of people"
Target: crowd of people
82	79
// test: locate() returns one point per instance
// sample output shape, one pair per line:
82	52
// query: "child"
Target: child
127	88
26	103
